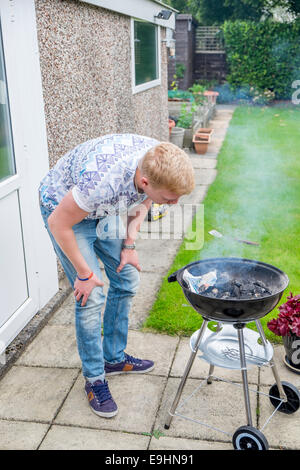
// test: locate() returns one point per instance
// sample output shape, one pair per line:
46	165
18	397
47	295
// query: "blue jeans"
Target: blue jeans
123	286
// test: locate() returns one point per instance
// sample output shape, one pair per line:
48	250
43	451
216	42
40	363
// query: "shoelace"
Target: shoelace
132	360
102	392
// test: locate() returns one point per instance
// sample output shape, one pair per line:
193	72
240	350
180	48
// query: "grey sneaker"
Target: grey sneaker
131	365
100	399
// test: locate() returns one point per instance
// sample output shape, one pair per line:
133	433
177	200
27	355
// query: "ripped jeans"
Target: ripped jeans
100	242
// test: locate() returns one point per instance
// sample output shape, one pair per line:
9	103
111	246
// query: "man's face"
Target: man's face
159	196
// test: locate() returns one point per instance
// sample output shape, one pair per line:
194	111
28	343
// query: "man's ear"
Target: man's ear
144	181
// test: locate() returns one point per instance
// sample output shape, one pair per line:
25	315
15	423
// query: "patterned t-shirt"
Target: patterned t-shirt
100	174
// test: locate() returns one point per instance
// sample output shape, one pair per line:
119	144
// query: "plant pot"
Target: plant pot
201	143
292	350
211	96
171	124
188	138
204	131
177	135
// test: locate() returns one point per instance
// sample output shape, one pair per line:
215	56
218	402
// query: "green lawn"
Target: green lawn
256	196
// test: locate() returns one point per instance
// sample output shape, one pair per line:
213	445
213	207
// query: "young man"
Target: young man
81	200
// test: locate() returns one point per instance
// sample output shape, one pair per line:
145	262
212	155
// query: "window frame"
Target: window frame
157	81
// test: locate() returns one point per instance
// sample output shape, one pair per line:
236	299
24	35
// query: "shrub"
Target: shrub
245	94
264	55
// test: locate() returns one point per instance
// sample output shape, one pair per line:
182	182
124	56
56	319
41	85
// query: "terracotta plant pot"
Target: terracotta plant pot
171	124
211	96
202	138
201	143
204	131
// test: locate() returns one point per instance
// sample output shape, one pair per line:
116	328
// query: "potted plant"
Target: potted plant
198	92
185	121
287	325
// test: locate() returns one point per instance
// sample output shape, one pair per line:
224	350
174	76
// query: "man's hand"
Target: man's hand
129	257
84	288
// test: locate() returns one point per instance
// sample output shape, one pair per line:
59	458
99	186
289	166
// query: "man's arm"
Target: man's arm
135	220
133	226
60	222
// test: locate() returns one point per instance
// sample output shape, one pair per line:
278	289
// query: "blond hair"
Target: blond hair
169	167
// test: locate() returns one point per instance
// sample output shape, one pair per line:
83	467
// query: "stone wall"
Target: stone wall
85	56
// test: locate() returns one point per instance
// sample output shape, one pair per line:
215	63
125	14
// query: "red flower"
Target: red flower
288	320
296	326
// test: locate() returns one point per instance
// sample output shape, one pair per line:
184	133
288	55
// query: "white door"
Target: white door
28	274
13	278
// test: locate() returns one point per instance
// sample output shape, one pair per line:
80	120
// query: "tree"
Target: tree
292	6
217	11
180	5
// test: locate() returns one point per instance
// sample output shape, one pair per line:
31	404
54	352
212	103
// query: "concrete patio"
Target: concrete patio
43	405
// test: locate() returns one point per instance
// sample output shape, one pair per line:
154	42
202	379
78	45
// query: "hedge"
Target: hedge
265	55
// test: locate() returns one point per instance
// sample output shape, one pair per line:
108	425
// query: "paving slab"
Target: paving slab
267	377
159	348
219	405
200	367
282	430
34	393
174	225
215	144
18	435
175	222
175	443
156	255
137	397
72	438
196	197
202	162
205	176
65	315
55	346
149	286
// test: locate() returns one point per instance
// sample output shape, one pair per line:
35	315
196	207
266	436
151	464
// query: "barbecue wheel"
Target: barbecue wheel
293	398
249	438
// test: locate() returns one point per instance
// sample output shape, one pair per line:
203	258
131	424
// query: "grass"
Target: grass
256	196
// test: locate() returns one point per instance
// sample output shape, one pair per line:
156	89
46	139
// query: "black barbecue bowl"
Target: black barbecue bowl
234	310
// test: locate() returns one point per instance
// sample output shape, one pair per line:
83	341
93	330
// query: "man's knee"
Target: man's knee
130	279
89	316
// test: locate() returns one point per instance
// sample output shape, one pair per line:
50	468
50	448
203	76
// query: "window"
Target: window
7	163
145	56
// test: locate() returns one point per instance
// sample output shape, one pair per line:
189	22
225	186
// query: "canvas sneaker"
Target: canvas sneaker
131	365
100	399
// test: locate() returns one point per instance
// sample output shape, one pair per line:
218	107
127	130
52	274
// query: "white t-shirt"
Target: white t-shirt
100	174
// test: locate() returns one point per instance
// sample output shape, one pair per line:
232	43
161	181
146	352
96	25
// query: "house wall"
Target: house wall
85	56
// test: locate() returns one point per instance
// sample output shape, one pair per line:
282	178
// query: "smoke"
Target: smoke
257	183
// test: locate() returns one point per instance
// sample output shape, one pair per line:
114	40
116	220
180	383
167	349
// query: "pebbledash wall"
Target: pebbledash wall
85	58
